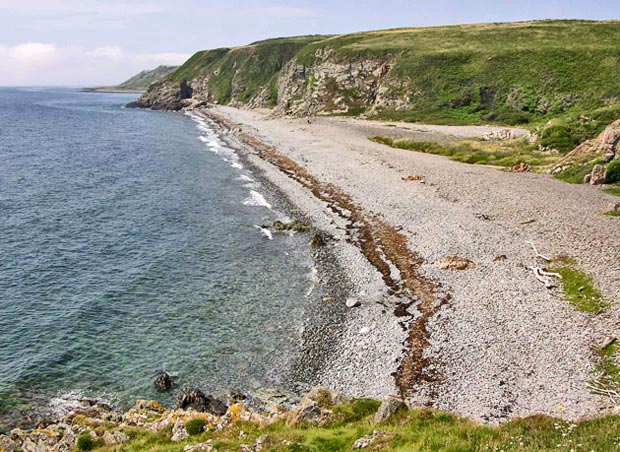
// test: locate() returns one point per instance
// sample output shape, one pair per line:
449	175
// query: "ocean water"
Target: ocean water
130	243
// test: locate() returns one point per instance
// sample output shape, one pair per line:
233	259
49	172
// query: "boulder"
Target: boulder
308	412
295	226
597	176
179	433
352	303
389	407
164	382
195	399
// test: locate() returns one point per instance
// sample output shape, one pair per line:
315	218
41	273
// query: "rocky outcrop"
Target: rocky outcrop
166	95
195	399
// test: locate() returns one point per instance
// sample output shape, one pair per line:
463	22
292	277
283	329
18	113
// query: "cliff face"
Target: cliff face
508	73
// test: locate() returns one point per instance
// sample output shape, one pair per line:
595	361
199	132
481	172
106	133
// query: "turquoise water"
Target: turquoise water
128	245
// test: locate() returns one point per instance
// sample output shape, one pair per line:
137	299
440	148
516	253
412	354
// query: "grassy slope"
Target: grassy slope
567	72
145	78
419	430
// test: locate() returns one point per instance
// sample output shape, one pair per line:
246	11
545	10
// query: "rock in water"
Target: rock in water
194	398
163	381
389	407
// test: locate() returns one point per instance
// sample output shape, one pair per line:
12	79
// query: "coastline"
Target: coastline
490	343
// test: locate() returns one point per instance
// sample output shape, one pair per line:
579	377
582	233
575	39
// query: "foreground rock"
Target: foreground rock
195	399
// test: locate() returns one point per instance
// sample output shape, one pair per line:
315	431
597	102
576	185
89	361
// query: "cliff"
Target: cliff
512	73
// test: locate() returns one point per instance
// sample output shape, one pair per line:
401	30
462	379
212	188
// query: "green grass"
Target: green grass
526	73
579	288
613	213
408	431
508	154
615	191
575	174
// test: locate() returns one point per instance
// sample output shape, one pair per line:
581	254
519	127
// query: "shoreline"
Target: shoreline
490	343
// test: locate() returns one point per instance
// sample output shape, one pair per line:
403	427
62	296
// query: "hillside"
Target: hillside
511	73
138	83
145	78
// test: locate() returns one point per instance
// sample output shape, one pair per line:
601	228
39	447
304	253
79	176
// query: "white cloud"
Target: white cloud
47	64
32	52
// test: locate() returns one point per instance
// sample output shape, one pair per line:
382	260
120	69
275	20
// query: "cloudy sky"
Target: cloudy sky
101	42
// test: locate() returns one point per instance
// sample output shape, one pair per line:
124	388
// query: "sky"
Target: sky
104	42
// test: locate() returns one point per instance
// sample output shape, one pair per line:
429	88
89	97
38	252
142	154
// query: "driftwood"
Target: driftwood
540	275
545	258
599	388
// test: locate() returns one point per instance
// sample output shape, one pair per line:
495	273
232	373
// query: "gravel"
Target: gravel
505	345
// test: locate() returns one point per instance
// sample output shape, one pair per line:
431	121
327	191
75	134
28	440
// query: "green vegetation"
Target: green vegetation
612	190
407	431
508	154
241	73
579	288
85	442
607	368
575	174
145	78
613	172
613	213
195	426
508	73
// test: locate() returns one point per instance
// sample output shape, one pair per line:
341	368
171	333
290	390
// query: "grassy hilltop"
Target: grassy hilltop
560	79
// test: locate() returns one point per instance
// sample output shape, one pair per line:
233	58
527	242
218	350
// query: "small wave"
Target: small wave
256	199
245	178
236	165
266	232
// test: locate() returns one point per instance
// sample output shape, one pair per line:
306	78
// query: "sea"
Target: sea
132	242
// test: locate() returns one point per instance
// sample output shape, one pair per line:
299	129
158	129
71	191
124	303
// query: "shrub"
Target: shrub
558	137
85	442
613	172
195	426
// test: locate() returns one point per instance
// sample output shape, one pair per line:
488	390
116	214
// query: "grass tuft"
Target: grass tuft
579	288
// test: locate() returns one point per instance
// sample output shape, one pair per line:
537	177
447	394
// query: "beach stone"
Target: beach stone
163	381
112	438
389	407
194	398
364	330
614	207
352	303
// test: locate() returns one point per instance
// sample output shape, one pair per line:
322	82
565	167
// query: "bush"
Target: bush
195	426
558	137
85	442
613	172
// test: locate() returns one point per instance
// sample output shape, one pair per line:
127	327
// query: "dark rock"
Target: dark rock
195	399
164	382
295	225
317	241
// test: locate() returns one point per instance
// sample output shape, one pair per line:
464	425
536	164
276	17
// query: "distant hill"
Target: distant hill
139	82
142	80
